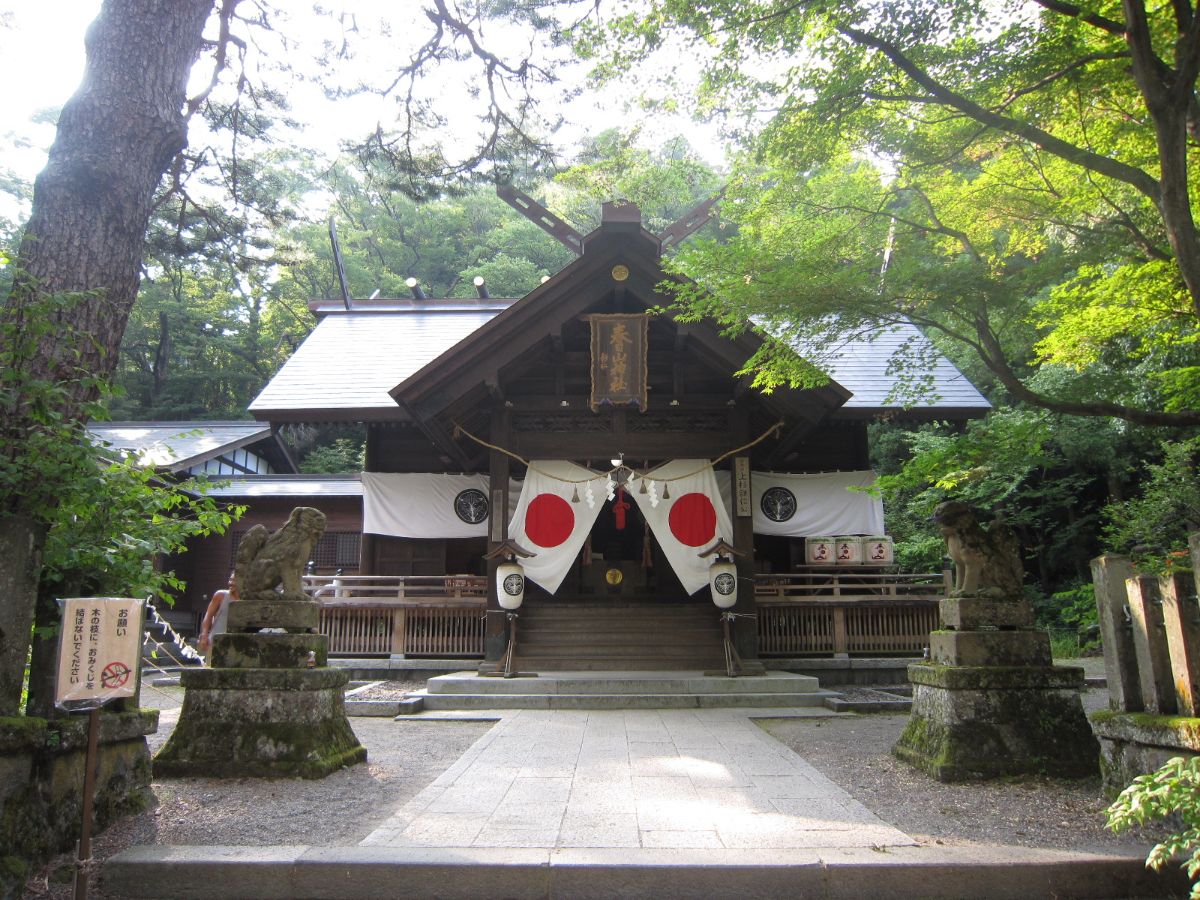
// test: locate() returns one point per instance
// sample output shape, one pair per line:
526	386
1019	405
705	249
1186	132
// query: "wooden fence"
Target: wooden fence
1150	629
438	616
813	612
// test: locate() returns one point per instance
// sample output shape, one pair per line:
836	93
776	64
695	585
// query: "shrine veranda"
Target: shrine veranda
615	410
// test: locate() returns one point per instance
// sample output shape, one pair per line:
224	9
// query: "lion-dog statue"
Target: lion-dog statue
267	561
987	563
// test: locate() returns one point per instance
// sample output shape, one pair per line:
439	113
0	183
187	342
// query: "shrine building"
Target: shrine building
608	451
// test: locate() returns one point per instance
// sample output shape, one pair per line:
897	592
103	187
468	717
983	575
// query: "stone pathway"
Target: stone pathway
651	779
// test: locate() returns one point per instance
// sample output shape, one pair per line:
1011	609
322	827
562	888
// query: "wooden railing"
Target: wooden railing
823	611
437	616
813	612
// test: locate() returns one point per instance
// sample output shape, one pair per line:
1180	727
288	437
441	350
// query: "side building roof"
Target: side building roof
177	446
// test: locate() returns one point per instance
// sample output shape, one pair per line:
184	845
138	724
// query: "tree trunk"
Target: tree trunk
92	202
91	206
21	542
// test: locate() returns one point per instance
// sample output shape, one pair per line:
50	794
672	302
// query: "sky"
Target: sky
52	31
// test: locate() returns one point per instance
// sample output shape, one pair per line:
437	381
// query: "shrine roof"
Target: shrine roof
354	358
350	361
175	446
869	364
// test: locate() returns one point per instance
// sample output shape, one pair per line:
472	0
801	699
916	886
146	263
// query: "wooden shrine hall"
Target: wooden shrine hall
604	448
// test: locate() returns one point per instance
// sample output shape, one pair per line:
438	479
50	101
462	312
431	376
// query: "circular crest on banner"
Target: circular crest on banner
549	520
471	506
514	584
778	504
693	520
725	584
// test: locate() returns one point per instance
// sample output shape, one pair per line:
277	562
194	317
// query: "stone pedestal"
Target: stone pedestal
1134	743
990	703
269	707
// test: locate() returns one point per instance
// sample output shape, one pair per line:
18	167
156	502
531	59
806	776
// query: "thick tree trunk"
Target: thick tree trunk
91	206
21	542
92	202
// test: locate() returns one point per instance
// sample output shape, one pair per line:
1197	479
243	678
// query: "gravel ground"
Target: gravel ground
403	757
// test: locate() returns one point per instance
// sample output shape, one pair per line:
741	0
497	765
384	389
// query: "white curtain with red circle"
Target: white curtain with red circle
691	517
558	505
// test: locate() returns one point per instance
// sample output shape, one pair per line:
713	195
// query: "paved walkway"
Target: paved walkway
652	779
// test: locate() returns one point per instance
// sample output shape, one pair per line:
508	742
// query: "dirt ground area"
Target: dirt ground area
405	756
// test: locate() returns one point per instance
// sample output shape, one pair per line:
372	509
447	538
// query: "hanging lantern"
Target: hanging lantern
510	584
722	582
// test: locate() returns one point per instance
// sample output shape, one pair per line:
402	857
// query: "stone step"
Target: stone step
623	683
438	702
365	873
610	664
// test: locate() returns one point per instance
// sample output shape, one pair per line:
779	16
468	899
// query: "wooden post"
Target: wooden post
1194	547
495	639
1149	641
1180	612
1109	574
841	644
745	630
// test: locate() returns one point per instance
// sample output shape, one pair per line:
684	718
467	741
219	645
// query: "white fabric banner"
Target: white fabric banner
425	505
815	505
548	523
691	519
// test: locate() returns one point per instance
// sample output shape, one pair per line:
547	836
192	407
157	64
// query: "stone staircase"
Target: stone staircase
613	635
615	690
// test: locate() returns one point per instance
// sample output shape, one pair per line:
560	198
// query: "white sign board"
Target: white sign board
98	650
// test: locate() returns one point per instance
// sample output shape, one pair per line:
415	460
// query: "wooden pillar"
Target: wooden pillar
1180	611
1149	641
495	639
366	545
745	633
1109	574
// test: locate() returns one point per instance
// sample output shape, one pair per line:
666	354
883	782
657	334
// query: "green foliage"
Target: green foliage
1173	794
1158	522
1001	228
115	521
341	456
40	446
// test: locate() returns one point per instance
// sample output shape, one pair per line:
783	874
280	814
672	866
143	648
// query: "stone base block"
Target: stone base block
1133	744
971	613
990	648
41	784
272	723
292	615
972	724
269	651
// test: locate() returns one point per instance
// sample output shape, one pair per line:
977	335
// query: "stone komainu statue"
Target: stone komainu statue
266	561
987	563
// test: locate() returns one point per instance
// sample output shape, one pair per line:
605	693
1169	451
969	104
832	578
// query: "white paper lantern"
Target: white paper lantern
510	585
722	582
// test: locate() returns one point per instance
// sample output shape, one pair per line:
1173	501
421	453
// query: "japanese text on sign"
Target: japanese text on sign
99	649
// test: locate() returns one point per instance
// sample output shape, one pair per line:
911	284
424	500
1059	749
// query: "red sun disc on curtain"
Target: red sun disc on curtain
693	520
549	520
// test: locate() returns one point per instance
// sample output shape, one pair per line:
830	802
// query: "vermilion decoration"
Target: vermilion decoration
693	520
549	520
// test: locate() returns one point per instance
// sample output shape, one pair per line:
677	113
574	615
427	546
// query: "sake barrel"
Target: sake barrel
878	550
819	551
848	550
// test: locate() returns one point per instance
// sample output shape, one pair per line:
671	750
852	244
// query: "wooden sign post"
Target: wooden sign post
99	651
